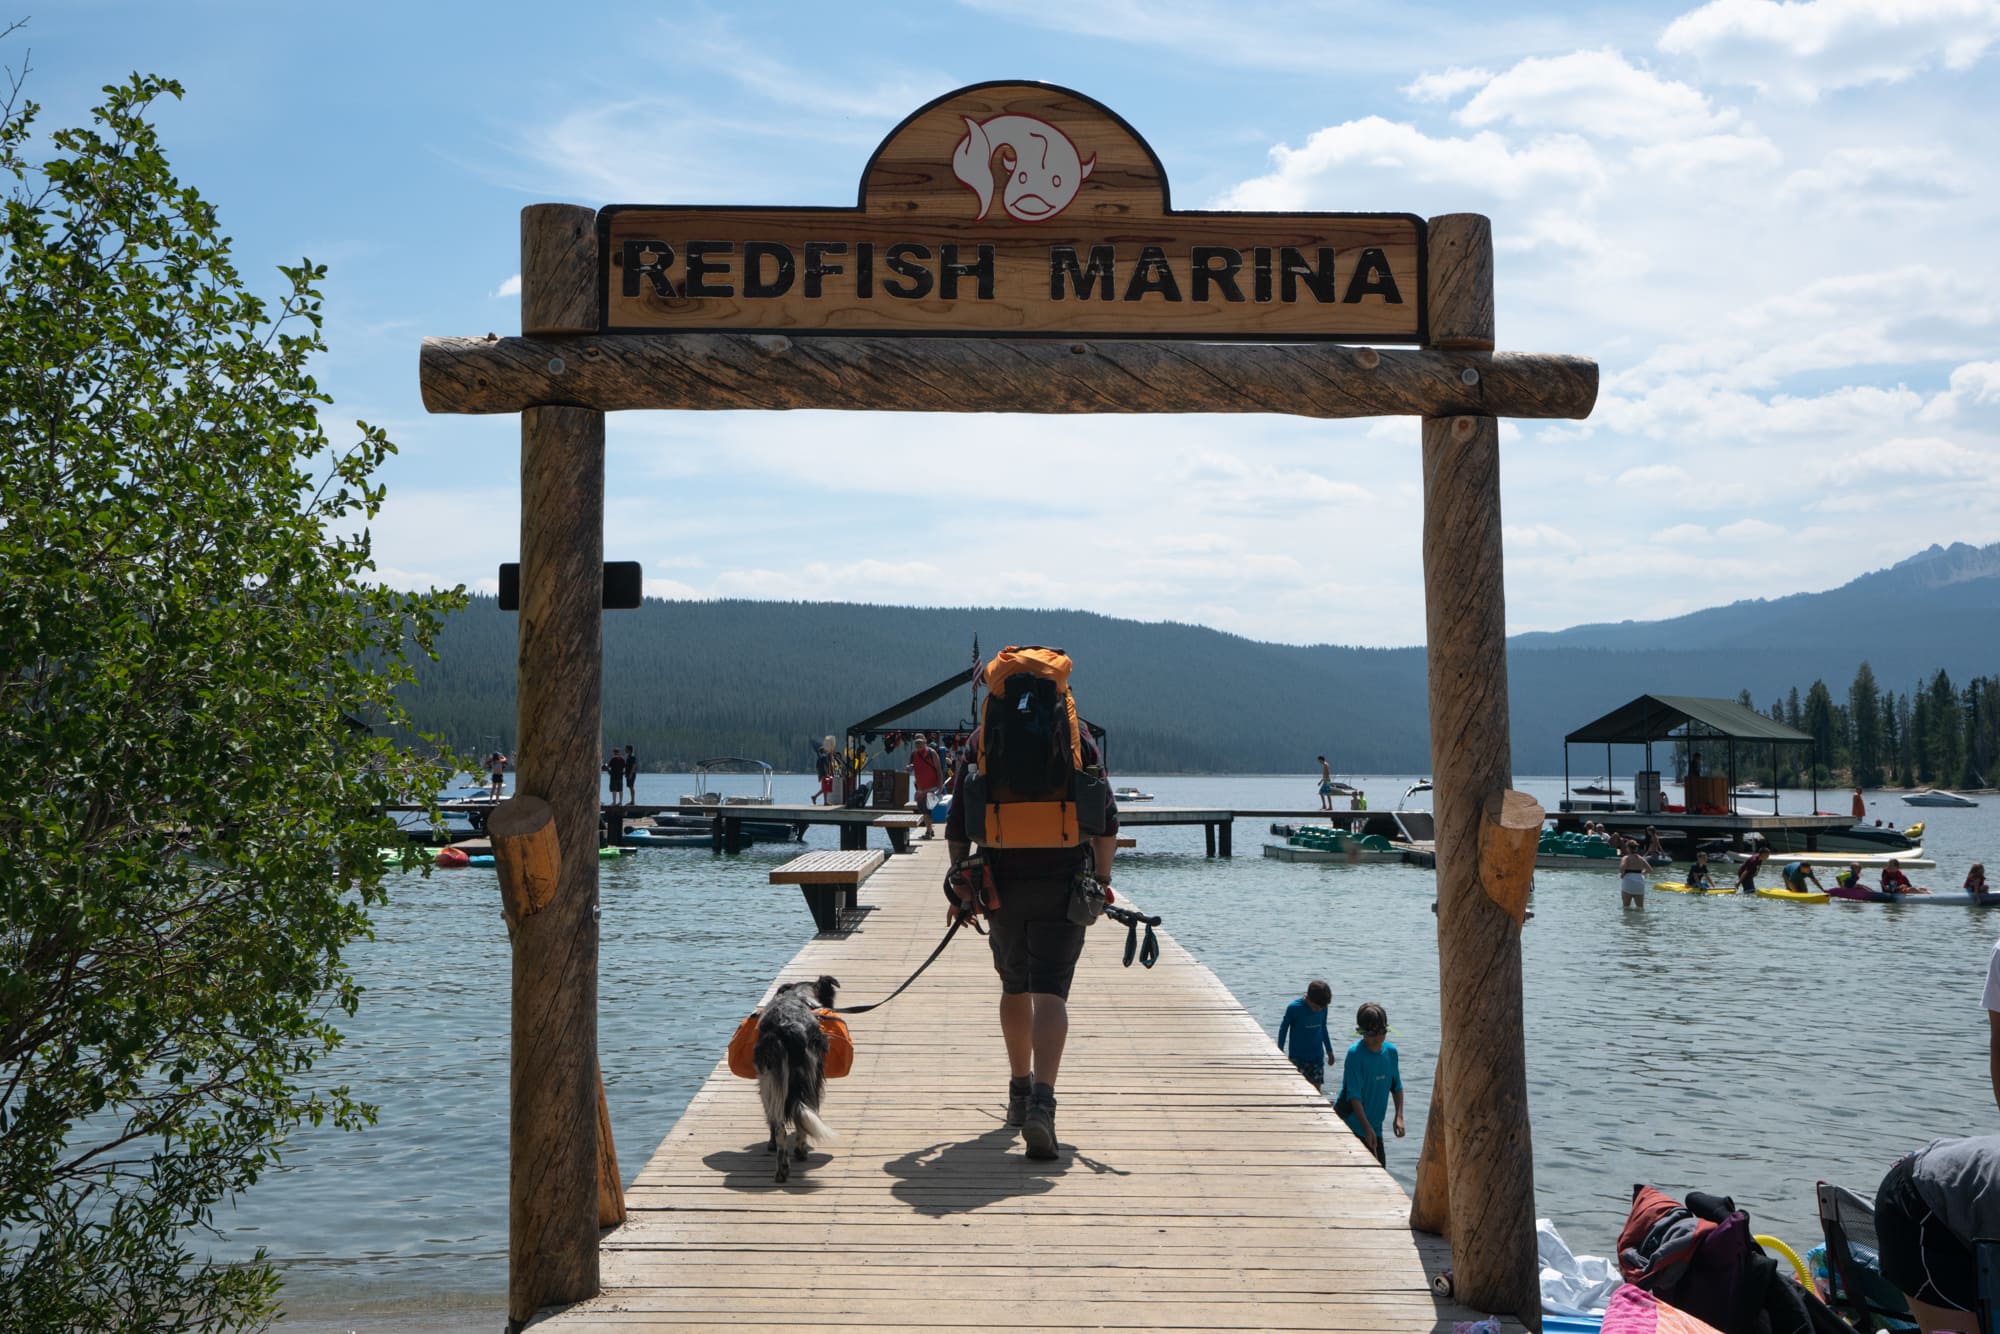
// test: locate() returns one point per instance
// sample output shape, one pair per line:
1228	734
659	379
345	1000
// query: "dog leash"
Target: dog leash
963	917
1149	953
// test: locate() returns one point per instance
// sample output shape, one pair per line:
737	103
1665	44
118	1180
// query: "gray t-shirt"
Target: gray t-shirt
1960	1180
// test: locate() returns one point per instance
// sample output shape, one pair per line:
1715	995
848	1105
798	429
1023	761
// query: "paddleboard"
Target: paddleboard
1791	895
1676	887
1956	898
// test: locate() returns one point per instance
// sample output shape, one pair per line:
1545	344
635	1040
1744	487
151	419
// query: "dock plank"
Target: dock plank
1201	1183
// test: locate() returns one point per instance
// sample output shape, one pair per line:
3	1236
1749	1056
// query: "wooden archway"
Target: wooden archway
1475	1178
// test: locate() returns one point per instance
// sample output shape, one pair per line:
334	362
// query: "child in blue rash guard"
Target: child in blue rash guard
1371	1074
1305	1021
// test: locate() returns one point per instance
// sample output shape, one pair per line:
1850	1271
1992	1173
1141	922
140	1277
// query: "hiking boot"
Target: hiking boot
1017	1100
1038	1128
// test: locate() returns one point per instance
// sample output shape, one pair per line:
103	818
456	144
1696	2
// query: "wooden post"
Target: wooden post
1487	1149
610	1186
1430	1202
528	857
552	1216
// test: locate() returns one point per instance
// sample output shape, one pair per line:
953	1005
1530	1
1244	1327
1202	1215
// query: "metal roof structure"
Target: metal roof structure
905	708
1658	717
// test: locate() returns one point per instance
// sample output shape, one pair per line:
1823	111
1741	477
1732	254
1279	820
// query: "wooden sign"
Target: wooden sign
1014	210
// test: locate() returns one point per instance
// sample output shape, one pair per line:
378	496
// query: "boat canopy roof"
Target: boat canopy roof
927	696
731	764
1657	717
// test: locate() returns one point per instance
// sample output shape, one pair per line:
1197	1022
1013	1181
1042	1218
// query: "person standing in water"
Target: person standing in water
1632	872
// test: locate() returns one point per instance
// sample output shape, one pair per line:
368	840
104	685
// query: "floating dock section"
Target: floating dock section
1201	1185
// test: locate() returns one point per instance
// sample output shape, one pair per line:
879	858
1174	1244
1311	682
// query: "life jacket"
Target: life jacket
1028	785
839	1046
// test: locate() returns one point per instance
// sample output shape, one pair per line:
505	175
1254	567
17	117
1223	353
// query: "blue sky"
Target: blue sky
1771	223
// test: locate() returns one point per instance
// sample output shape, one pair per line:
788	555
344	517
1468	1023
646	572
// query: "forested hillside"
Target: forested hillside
686	680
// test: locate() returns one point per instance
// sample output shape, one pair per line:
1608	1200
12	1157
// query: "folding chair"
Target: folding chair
1856	1289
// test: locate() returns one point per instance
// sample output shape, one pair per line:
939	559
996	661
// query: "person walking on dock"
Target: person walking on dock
1032	792
1325	784
825	759
1371	1074
1305	1021
926	777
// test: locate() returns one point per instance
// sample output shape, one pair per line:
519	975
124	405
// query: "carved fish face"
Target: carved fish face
1042	169
1043	176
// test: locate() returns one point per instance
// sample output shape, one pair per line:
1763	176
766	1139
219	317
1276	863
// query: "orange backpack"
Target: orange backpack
839	1046
1030	788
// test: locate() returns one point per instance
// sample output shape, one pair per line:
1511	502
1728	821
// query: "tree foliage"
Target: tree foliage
188	799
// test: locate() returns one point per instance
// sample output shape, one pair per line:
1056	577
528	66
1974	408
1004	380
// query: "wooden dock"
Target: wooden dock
1201	1183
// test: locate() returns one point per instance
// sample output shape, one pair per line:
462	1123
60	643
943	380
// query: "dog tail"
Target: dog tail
819	1131
773	1078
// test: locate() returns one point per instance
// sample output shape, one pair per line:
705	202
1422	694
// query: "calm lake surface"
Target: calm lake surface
1738	1045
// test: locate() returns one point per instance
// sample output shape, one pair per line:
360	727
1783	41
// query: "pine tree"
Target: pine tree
1865	727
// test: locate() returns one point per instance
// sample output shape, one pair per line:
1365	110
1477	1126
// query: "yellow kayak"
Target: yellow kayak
1792	895
1676	887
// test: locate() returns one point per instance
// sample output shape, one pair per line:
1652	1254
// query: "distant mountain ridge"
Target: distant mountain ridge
686	680
1897	600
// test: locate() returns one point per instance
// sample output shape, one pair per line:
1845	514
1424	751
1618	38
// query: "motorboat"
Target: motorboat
1936	796
1130	794
1753	791
697	808
1421	785
1598	787
706	771
1871	840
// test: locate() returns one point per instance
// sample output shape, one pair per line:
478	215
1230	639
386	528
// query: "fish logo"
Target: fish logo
1043	172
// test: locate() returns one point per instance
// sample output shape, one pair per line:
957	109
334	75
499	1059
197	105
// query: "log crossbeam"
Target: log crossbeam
634	372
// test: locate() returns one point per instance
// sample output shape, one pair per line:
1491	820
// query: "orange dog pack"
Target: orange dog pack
839	1046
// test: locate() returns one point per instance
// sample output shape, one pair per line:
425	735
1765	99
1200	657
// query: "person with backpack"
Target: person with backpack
1031	791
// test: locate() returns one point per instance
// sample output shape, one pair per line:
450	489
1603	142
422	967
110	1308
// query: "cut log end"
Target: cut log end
1510	826
527	855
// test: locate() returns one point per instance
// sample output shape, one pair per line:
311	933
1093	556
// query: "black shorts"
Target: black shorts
1919	1255
1035	945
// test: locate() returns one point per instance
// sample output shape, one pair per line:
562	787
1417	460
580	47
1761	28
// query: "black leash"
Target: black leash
964	916
1149	953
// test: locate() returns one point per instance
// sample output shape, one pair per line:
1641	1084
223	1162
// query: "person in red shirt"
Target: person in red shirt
1895	882
926	777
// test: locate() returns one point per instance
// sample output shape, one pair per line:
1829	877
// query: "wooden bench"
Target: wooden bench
897	825
829	881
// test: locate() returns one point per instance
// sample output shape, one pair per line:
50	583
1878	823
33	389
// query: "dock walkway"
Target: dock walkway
1201	1183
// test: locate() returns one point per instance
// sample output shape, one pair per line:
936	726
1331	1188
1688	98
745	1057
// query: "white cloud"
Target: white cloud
1322	170
1652	475
1911	458
1871	178
1800	49
1444	85
1701	157
509	287
1595	92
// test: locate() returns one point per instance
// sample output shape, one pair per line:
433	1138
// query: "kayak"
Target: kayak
1675	887
611	854
1791	895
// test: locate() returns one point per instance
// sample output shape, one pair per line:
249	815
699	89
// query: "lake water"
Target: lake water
1738	1045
